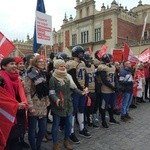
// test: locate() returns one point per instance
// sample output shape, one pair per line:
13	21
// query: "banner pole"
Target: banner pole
20	52
45	56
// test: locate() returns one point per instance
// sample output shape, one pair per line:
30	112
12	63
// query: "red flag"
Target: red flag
8	110
126	51
62	98
2	141
89	101
6	47
145	56
90	51
1	57
117	55
102	51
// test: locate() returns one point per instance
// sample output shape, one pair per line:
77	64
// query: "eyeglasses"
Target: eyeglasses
40	61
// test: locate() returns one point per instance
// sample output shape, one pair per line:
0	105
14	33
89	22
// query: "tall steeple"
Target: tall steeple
114	4
140	3
65	19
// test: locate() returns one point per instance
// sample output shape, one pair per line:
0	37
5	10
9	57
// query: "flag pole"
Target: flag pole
143	30
20	51
45	56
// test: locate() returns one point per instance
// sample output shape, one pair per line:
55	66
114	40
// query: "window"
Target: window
81	13
84	37
74	39
97	34
87	11
146	35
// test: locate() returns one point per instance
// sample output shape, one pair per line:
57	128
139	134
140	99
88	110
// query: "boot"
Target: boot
56	146
104	124
123	119
94	117
67	145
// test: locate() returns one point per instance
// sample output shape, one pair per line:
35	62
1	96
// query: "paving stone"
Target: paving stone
133	135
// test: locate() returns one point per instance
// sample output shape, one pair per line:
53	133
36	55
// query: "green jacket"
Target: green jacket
62	92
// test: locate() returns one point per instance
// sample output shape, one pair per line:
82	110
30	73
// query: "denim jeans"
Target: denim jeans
79	103
35	137
55	127
126	102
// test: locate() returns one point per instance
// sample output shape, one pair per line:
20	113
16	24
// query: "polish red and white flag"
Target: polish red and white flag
6	47
145	56
102	51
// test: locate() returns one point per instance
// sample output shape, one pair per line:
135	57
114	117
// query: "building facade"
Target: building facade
112	26
24	48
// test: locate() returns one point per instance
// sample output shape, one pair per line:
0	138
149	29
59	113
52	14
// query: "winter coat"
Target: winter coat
34	101
62	92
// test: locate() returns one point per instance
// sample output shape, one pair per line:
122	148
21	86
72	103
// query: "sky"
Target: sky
17	17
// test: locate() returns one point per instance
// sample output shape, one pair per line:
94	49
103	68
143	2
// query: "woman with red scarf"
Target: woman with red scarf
13	86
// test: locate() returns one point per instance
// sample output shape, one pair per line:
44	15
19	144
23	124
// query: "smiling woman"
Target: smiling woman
36	89
12	84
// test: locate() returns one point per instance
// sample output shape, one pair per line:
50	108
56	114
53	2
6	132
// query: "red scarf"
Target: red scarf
13	85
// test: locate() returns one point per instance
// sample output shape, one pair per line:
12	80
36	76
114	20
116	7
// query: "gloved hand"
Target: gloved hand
116	89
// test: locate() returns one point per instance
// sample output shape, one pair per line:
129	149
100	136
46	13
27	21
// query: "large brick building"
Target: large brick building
111	26
92	28
23	48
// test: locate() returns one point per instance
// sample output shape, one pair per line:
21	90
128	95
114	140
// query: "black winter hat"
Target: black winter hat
6	61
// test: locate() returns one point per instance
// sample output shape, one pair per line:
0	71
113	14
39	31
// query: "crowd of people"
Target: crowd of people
77	90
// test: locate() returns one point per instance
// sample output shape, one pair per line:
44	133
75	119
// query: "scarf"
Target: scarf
61	76
11	82
39	79
13	85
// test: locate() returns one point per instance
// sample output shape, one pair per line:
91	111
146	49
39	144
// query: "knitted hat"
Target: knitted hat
58	62
18	59
6	61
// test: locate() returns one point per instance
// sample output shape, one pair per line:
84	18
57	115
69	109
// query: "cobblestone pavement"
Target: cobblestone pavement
133	135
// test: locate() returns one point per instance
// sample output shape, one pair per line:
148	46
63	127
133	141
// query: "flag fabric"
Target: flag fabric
8	110
126	52
102	51
6	47
89	101
90	51
117	55
1	57
41	8
145	56
2	140
133	59
144	26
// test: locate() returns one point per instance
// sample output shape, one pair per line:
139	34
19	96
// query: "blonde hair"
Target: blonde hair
35	60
